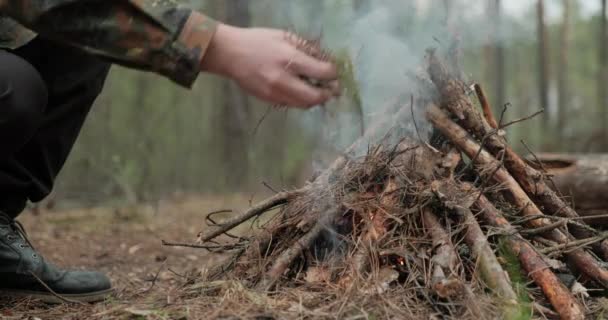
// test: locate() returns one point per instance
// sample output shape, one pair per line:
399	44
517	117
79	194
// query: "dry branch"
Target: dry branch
445	259
446	280
374	230
484	162
369	218
572	245
485	106
533	263
532	181
288	256
491	270
259	209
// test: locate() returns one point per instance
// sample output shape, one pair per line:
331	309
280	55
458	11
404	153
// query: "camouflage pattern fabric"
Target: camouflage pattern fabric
151	35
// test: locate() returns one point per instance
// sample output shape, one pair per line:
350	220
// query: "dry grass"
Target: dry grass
372	260
126	244
156	282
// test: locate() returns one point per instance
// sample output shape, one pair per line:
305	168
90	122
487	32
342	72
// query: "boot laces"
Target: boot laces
16	227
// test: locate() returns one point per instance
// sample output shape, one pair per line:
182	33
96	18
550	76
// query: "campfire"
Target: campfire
459	227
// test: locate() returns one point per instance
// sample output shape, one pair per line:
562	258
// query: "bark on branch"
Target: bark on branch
485	162
533	263
531	180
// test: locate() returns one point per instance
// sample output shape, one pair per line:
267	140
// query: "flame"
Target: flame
401	261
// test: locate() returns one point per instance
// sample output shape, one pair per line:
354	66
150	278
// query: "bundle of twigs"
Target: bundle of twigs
439	218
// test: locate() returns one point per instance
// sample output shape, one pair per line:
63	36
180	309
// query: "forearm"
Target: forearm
159	36
149	35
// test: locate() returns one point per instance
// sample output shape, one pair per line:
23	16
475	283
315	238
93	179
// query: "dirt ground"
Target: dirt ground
126	244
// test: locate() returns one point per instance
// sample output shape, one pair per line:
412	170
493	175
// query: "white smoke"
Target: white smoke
388	41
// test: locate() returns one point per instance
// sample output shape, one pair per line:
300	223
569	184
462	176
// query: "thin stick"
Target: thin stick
532	116
288	256
200	246
542	230
414	119
485	106
155	277
259	124
269	187
212	222
545	172
570	221
598	216
544	311
260	208
575	244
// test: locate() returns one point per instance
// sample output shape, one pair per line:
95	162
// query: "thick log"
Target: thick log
583	179
533	263
454	99
486	163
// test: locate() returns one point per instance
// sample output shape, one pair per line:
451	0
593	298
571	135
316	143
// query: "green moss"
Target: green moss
523	309
347	76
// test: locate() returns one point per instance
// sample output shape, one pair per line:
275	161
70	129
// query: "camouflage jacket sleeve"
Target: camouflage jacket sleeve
151	35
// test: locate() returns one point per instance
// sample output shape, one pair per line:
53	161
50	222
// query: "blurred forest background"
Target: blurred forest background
148	139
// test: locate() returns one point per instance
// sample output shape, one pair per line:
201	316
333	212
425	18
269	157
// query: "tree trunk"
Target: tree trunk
543	64
139	187
583	179
235	113
563	89
499	63
603	76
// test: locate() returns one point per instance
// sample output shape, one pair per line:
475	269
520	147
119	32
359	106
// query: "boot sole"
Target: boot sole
49	298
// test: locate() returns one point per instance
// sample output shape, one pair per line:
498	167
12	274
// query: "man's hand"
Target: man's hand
269	66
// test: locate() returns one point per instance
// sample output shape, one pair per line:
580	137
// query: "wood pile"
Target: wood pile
449	221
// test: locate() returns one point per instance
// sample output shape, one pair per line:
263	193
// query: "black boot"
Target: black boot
24	273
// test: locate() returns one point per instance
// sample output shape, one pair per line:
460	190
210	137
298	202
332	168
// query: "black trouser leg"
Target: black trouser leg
73	81
23	98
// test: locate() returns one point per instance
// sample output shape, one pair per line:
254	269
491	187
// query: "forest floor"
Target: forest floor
126	244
